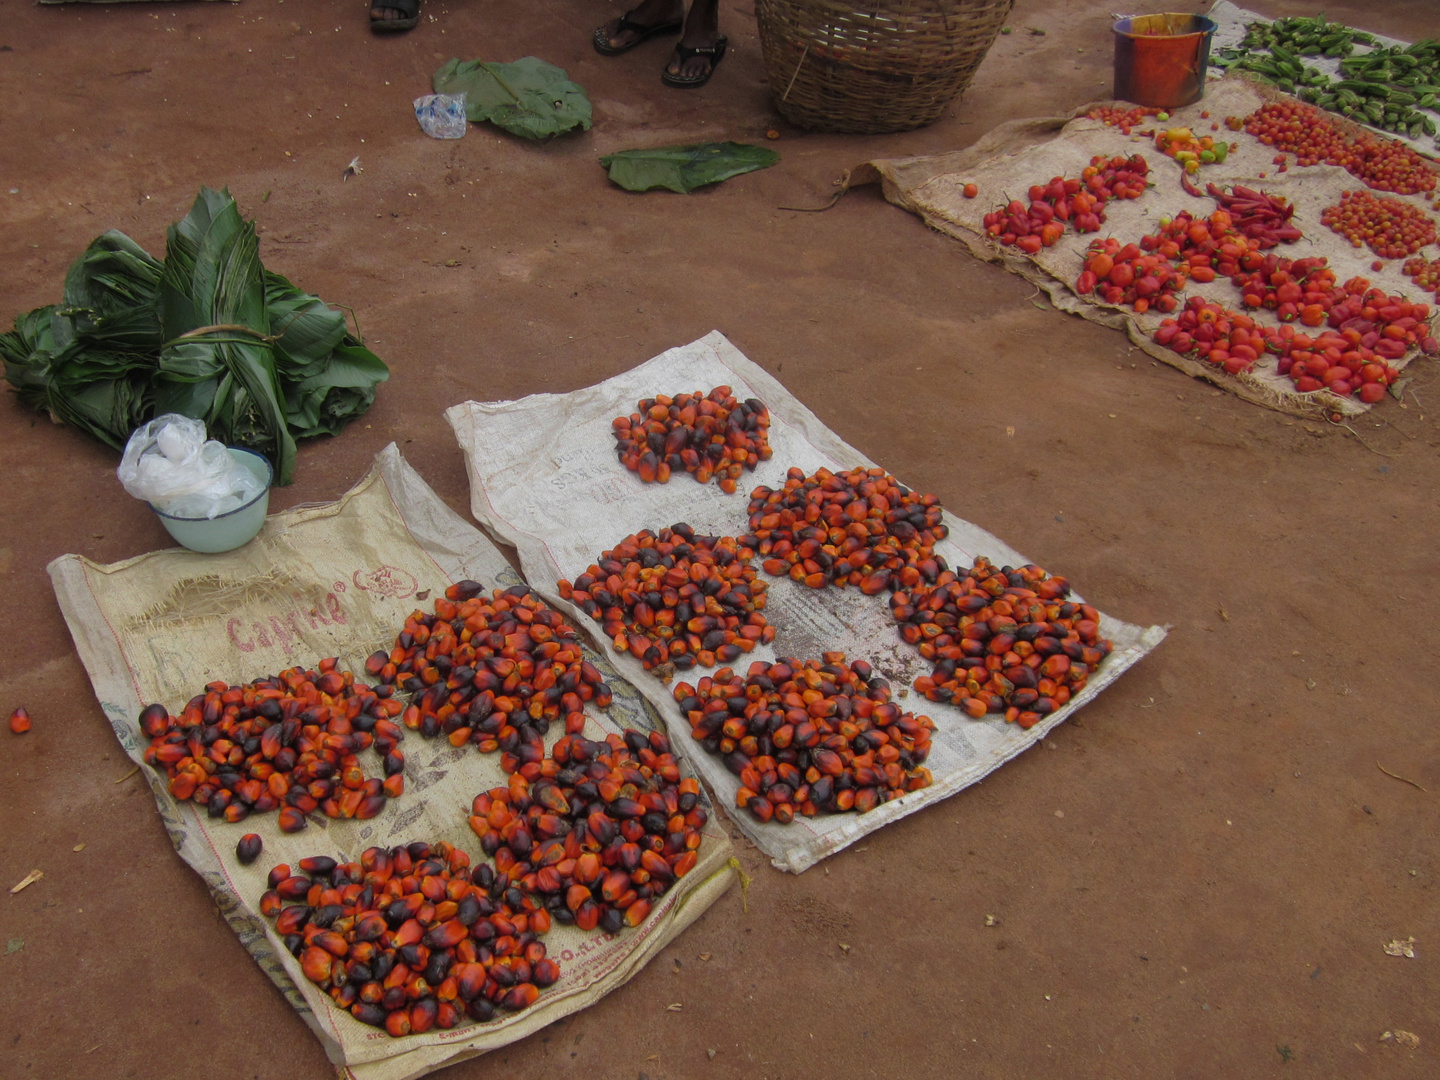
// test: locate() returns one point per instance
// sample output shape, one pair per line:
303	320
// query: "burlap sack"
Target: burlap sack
338	580
544	478
1008	160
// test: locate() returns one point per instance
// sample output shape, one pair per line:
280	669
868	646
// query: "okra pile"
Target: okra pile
1388	87
1304	36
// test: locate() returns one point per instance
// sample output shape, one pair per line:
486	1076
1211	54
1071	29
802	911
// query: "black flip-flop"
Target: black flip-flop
716	53
411	8
601	40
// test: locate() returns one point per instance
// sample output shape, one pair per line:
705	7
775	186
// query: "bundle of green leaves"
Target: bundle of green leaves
209	333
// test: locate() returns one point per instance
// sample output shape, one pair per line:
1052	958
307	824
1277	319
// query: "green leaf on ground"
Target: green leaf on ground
529	98
685	168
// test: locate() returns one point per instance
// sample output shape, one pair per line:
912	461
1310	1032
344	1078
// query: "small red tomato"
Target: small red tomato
971	190
20	721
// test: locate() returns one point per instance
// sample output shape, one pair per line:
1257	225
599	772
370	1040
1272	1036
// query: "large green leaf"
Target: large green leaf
352	367
110	294
212	307
329	377
322	404
113	273
529	98
685	168
306	329
105	393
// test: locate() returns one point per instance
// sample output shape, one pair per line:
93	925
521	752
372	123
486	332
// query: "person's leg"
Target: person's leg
650	17
394	15
701	45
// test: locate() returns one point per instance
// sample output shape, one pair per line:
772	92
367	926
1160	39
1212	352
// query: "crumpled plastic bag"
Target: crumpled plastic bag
442	116
170	464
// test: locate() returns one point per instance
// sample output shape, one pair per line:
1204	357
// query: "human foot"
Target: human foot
690	68
652	17
392	16
700	50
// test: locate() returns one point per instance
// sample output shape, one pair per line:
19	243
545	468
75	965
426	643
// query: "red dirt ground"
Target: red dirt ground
1193	879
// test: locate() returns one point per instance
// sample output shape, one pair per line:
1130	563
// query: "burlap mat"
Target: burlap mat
1012	157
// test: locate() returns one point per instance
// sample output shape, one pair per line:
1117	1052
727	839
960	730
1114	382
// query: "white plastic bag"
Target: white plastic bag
169	464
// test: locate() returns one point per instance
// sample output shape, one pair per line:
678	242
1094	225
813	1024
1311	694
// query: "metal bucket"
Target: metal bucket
1160	60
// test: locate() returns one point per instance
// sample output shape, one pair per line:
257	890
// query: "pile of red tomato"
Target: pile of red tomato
1220	336
1080	203
1124	119
1390	228
1425	274
1344	338
1362	329
1127	275
1305	131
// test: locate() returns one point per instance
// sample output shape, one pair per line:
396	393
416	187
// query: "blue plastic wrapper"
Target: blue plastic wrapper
442	116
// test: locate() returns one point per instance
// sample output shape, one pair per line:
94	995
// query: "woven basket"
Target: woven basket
891	66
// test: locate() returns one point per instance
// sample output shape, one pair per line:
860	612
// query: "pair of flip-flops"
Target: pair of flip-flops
410	16
642	33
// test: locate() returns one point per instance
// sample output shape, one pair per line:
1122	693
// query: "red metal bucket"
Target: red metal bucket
1160	60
